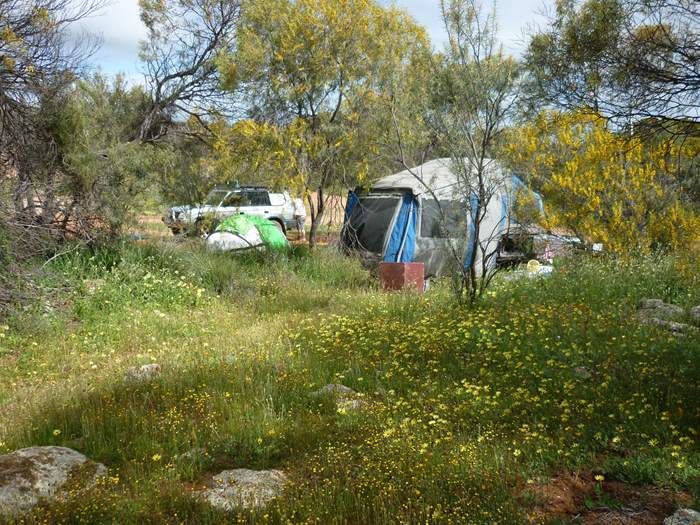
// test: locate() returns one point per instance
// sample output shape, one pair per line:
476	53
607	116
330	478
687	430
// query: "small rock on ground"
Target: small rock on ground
243	488
336	390
32	474
139	374
345	404
659	309
346	399
683	517
192	454
93	286
655	312
583	372
695	314
672	326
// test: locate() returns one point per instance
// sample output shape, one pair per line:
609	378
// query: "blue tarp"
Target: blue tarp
352	201
503	223
402	243
471	241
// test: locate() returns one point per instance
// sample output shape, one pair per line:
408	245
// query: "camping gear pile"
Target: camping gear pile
247	232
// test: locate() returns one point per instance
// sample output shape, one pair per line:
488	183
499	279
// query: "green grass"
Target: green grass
464	406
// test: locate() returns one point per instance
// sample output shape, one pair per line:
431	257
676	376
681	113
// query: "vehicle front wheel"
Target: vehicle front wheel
280	226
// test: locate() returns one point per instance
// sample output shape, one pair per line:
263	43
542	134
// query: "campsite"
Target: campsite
349	262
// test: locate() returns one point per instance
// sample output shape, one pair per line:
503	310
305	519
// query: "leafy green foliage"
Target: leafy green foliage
104	169
604	186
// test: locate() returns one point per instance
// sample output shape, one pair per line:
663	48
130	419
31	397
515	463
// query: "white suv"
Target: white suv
224	201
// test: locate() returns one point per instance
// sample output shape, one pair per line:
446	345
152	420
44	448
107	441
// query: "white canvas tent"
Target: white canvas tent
426	214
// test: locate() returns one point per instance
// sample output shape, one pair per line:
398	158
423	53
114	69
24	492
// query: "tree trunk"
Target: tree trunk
316	216
473	283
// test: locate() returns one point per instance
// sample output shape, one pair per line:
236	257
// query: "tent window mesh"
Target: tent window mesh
369	222
446	225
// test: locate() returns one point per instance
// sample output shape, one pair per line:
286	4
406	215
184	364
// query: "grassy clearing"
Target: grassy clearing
465	410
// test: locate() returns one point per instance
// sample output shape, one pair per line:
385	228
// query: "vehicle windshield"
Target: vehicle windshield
215	197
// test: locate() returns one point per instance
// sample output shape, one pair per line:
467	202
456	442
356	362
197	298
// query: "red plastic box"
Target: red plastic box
402	276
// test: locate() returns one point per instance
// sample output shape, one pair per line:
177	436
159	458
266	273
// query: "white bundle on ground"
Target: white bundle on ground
226	241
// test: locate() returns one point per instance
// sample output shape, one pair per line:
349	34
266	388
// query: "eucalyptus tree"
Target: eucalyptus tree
314	71
635	62
39	56
462	115
179	55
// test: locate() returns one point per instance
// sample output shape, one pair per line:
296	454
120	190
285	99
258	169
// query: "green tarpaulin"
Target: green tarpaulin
269	231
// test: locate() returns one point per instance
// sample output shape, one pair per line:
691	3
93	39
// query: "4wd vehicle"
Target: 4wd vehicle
224	201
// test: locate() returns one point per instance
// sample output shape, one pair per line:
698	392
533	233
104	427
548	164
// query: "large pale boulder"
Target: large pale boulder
655	312
683	517
245	489
658	309
30	475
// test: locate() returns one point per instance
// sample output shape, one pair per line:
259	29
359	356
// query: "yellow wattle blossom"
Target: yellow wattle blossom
605	186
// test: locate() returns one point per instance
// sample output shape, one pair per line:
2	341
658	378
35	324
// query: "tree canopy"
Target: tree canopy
185	37
605	187
320	96
313	72
632	61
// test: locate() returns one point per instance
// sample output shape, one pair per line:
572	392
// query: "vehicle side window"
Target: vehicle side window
277	199
236	199
257	198
447	225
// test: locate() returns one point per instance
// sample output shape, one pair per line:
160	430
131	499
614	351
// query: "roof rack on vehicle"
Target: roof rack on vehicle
235	185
